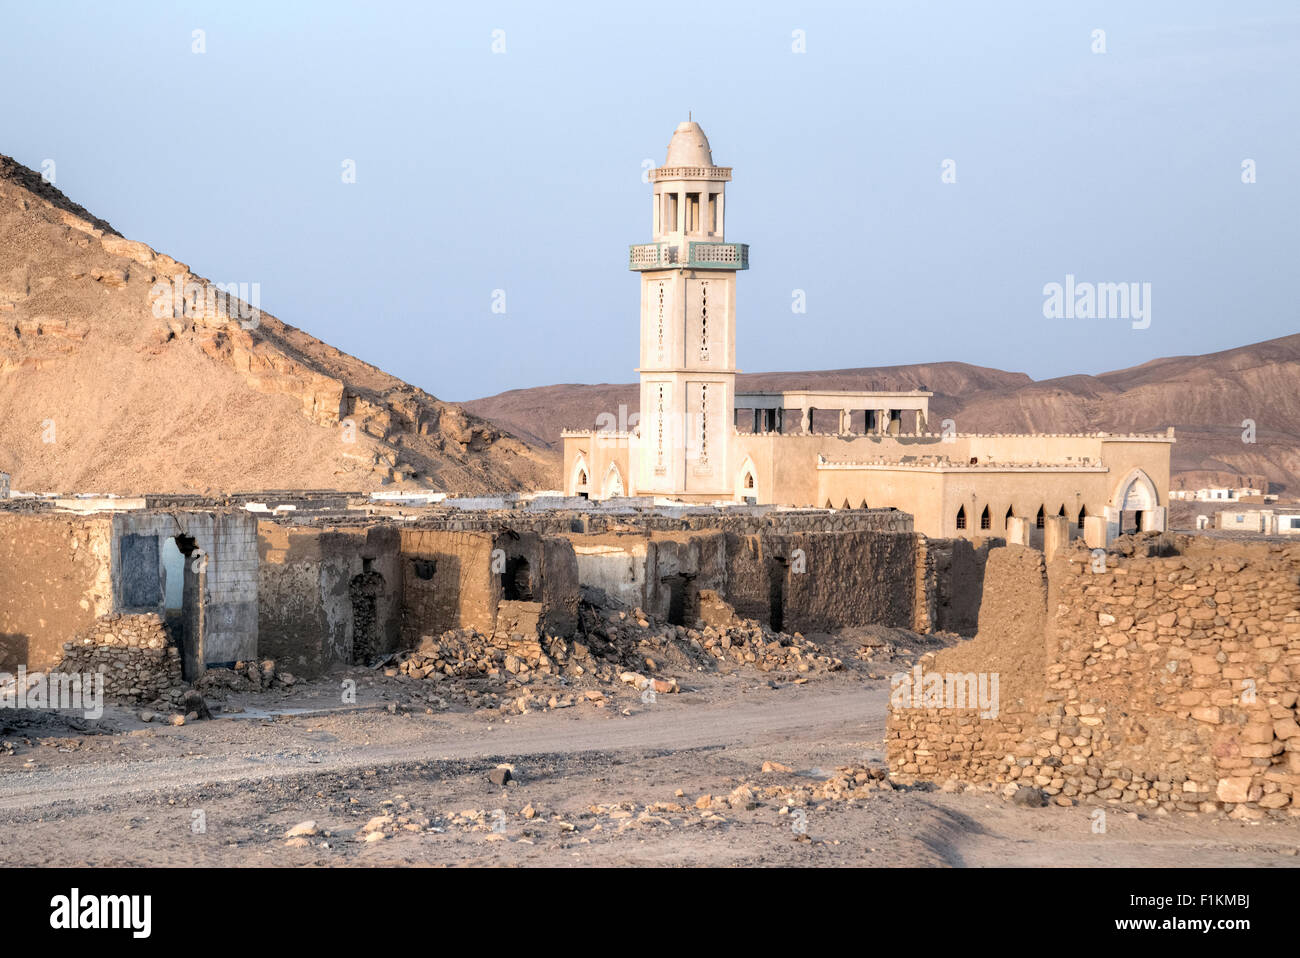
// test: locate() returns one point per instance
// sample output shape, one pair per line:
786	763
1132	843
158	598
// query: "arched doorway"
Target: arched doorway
581	478
747	483
613	482
1135	497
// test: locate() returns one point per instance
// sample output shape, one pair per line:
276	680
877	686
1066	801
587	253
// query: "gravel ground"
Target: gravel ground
618	785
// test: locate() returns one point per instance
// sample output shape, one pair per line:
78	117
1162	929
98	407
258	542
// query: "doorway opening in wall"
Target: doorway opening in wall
777	574
182	612
1130	521
175	556
365	590
517	580
679	593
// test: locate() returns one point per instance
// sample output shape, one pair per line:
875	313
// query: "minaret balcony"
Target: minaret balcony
700	255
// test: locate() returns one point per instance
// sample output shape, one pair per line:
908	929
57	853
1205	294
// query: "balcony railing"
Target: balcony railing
701	255
651	256
718	255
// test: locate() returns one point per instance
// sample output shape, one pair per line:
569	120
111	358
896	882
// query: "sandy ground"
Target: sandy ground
592	787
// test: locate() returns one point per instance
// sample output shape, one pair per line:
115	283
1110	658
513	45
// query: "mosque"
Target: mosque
699	441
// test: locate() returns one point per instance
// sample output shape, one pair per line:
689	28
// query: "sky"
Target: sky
916	174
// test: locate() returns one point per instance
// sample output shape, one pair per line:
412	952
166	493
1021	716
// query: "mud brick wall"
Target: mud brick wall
133	653
848	579
307	581
54	580
460	590
1168	682
941	743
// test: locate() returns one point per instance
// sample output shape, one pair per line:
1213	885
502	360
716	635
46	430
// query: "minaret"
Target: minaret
688	323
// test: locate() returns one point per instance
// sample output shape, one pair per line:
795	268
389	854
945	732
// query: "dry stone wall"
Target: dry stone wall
133	653
1165	682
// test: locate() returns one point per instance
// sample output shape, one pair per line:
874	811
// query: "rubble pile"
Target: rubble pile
244	677
518	669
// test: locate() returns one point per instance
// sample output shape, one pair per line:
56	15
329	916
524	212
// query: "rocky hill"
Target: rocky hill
123	371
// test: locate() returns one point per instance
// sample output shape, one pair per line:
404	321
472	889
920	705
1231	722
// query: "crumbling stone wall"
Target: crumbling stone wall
310	581
1165	681
133	653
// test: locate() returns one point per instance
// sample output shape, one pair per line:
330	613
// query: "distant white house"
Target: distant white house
1266	522
1215	495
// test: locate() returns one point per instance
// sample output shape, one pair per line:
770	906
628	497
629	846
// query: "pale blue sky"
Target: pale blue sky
521	171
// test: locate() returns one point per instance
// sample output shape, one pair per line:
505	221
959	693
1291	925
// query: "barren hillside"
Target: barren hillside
116	377
1206	398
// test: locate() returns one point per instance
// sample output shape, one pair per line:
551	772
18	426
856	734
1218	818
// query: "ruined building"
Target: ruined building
699	441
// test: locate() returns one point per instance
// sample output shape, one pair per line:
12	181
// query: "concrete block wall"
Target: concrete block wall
229	543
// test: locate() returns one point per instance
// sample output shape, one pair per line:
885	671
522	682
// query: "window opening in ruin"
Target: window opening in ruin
517	580
961	517
364	590
424	568
1040	519
141	573
985	521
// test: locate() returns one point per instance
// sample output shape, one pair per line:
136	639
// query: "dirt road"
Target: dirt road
591	786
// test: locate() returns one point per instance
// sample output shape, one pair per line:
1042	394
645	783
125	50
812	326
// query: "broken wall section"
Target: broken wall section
1168	682
328	596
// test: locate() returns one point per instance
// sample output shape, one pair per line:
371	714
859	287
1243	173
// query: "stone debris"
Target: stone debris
506	670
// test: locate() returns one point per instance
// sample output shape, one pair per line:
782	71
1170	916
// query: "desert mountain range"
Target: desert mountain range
1205	398
104	390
